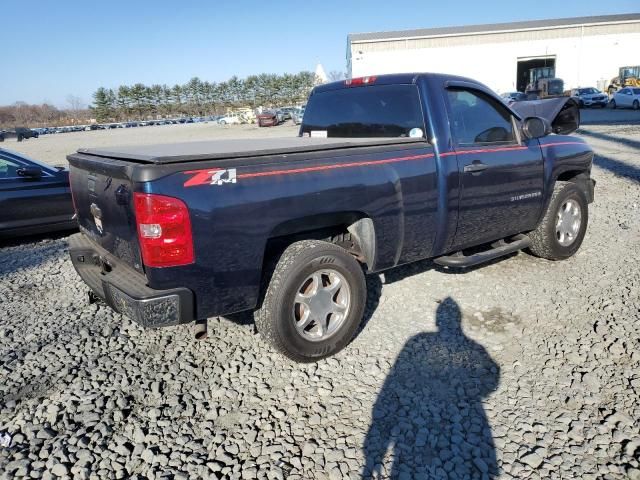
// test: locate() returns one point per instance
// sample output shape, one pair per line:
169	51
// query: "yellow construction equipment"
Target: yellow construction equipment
627	77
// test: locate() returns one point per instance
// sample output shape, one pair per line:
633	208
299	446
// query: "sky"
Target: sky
54	49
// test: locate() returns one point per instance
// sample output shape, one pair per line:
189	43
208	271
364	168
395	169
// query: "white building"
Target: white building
585	51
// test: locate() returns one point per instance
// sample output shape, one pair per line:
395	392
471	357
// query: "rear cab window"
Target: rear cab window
368	111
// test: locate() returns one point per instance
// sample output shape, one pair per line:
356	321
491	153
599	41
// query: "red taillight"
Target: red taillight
164	230
353	82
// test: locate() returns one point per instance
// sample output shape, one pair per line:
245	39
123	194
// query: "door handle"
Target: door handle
475	167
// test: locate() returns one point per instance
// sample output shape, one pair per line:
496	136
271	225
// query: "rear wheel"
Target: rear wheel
613	103
314	301
562	229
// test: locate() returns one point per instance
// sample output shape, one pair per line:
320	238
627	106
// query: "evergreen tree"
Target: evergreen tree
199	98
102	107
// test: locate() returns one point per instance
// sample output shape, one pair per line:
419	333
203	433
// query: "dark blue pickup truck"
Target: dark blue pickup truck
386	170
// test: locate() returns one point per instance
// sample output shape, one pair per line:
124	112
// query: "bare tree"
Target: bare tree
76	105
335	75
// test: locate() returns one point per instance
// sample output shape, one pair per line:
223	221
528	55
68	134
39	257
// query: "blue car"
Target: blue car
34	197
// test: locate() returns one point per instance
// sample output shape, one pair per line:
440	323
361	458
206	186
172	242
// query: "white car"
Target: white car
229	120
628	97
589	97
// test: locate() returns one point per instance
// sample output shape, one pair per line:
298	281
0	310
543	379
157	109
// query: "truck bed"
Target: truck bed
235	148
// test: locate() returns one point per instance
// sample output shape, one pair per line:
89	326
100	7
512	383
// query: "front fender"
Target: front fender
566	158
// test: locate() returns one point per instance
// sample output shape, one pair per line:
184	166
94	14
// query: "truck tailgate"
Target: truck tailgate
103	197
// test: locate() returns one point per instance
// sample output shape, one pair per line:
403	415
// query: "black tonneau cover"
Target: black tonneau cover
237	148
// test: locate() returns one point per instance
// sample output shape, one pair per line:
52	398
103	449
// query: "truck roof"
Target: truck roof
235	148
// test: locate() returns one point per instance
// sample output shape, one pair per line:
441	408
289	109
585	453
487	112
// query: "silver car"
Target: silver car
589	97
297	115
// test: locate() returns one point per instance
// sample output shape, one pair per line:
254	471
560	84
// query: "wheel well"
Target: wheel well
570	176
353	231
580	178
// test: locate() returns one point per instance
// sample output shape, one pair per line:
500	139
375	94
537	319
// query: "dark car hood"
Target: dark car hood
562	113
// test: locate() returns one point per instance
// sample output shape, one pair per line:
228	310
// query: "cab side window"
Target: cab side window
477	119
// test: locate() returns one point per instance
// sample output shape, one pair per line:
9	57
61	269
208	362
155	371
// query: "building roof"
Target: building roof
493	27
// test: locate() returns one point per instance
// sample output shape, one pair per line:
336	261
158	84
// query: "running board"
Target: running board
498	249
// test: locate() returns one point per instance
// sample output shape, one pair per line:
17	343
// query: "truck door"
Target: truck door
501	175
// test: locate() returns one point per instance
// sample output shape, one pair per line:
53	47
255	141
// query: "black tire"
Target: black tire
636	104
545	243
613	104
580	104
274	319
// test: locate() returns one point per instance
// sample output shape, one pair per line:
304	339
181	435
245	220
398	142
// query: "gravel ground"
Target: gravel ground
521	369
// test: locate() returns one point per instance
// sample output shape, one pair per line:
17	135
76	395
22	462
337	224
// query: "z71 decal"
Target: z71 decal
211	177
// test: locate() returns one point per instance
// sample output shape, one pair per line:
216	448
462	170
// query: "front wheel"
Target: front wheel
314	301
613	104
564	224
636	105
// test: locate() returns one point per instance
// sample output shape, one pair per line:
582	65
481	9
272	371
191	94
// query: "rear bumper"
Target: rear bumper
125	290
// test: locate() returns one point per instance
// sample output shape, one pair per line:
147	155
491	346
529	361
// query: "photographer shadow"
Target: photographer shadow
428	420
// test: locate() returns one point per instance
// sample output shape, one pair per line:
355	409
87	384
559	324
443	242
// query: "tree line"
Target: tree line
22	114
201	98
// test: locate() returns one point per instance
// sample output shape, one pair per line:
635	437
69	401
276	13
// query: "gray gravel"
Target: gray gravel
522	369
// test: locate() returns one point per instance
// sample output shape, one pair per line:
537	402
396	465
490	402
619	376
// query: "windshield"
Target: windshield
555	87
587	91
369	111
631	72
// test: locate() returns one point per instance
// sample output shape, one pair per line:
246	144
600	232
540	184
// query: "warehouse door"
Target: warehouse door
531	67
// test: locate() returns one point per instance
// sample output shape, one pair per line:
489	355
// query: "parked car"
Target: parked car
282	116
286	112
628	97
297	115
230	120
510	97
24	133
268	118
289	225
589	97
34	197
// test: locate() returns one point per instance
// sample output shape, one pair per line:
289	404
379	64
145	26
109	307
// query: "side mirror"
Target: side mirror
535	127
30	172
